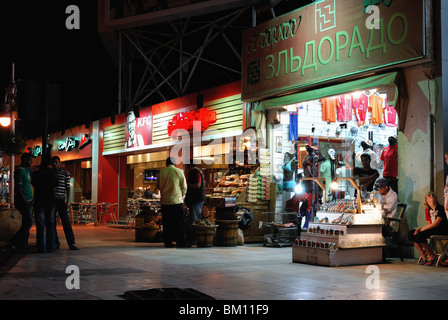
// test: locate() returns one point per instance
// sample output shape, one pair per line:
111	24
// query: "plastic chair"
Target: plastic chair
109	210
132	209
392	234
75	212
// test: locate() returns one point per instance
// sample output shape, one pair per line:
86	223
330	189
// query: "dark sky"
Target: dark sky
35	38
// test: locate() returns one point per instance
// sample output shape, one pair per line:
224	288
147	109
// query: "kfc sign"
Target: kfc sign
139	129
201	119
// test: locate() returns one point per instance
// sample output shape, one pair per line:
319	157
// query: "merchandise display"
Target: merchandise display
339	235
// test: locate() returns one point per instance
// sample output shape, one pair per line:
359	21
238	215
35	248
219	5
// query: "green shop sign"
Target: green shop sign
329	40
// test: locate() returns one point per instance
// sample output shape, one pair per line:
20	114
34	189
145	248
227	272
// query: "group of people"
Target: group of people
437	224
386	188
45	191
176	193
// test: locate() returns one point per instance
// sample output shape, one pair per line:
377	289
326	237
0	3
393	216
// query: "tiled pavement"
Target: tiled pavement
110	263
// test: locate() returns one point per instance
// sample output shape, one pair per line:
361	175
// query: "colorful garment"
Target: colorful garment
390	115
360	106
376	107
345	108
329	107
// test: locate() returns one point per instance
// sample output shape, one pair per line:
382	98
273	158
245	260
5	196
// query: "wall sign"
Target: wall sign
139	129
85	141
329	40
202	118
69	144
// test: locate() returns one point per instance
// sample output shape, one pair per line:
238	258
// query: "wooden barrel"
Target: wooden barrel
205	235
227	233
145	235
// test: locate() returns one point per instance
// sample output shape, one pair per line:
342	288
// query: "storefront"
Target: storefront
74	148
135	149
330	84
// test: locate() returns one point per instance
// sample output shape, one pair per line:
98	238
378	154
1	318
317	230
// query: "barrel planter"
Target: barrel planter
205	235
10	223
227	233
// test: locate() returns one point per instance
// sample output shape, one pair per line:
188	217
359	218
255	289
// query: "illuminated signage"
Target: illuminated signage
85	140
139	129
329	40
203	118
71	143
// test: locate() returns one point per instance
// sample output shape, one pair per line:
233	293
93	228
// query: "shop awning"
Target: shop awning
392	82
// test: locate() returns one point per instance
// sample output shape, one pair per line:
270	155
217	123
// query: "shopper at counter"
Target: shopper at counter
437	225
156	194
173	186
367	176
388	198
194	199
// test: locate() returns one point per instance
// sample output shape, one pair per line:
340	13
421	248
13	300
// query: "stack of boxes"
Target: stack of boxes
259	183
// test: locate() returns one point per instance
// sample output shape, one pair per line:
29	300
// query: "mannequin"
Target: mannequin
290	169
389	156
328	171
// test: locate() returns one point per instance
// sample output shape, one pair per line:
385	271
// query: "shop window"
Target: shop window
317	143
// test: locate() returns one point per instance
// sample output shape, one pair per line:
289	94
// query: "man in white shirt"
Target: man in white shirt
389	198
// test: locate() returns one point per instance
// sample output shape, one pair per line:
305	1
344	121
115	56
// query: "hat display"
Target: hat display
381	183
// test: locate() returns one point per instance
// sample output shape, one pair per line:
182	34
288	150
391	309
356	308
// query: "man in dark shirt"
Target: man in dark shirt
62	202
43	181
367	175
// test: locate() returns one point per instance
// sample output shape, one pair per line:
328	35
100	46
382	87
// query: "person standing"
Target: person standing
173	187
389	156
62	203
194	199
43	180
24	202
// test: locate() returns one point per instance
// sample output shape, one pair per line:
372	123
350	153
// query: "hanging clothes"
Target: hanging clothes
360	106
293	126
376	107
390	115
329	108
345	108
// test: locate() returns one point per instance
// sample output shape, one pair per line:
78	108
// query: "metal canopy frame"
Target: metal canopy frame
163	57
161	63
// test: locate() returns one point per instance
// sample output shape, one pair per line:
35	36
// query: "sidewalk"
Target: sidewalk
111	263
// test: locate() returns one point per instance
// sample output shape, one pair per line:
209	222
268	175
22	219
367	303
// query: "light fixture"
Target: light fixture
299	188
5	115
334	185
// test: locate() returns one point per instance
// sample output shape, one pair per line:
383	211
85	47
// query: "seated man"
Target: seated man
388	198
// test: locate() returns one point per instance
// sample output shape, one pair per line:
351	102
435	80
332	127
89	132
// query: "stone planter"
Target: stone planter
10	223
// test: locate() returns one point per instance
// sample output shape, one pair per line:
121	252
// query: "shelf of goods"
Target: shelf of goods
233	189
343	238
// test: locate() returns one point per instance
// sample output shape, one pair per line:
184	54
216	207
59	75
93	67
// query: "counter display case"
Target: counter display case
344	238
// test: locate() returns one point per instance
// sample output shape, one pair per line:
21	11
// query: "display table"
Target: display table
342	239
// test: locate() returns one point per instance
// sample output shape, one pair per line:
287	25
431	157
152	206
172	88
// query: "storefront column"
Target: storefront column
444	86
95	159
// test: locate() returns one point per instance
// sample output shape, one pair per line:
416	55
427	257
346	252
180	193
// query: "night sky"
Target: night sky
35	38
